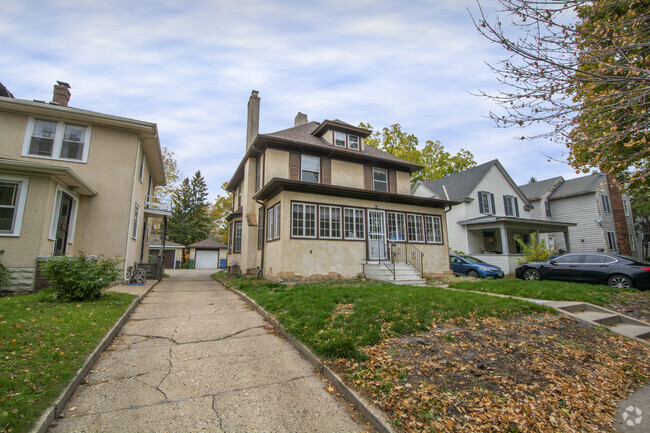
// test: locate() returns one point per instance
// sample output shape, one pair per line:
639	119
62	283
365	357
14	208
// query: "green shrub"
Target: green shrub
81	277
4	277
535	251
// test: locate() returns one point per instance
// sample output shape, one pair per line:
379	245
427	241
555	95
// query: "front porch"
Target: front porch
492	238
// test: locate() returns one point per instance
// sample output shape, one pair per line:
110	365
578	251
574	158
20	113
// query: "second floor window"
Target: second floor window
380	179
511	205
626	207
258	172
310	168
56	140
547	207
486	202
607	208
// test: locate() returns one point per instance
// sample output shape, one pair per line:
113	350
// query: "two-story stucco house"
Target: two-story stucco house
73	180
492	212
584	201
314	201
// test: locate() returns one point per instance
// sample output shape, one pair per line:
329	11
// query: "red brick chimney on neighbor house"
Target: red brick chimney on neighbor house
61	93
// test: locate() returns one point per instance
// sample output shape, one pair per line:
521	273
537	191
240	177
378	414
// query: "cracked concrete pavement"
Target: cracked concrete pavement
195	357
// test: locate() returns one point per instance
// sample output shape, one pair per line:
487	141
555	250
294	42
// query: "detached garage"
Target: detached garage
173	254
207	254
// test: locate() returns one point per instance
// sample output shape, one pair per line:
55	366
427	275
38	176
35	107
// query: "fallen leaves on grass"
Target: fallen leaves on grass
537	374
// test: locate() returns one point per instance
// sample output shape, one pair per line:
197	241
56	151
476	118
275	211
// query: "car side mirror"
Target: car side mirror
552	262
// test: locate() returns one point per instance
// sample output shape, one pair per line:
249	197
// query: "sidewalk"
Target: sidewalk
195	357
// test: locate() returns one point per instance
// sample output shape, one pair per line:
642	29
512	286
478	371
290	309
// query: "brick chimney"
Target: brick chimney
253	121
61	93
301	119
618	213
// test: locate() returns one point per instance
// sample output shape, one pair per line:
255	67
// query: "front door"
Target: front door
376	234
63	225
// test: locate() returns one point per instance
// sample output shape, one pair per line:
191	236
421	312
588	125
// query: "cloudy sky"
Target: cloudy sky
190	67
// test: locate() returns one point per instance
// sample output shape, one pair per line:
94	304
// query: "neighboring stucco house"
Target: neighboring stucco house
491	212
207	254
584	201
315	201
73	180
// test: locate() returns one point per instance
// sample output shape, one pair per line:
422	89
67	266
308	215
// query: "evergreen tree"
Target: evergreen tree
190	221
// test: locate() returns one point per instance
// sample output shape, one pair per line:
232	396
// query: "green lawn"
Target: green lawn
335	319
547	290
42	345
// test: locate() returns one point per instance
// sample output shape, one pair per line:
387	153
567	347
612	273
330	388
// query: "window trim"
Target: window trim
58	140
374	181
433	226
632	242
354	224
421	225
605	203
511	200
388	231
304	230
141	170
611	241
19	207
136	221
236	225
273	223
547	209
486	197
302	168
330	220
55	213
627	207
346	139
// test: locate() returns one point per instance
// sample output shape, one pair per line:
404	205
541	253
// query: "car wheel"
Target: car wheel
473	273
532	274
620	281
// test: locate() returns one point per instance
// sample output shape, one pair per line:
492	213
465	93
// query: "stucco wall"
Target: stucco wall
276	164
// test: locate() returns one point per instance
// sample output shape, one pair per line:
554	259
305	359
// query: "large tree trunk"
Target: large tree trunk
620	222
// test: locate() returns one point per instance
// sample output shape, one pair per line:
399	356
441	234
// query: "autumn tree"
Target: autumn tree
172	174
190	221
582	68
436	161
218	211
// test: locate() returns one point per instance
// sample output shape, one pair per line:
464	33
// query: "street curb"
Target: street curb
376	418
51	413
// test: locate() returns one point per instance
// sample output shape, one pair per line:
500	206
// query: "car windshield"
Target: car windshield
473	259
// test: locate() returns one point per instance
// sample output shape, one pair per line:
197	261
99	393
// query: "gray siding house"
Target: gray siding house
492	212
585	202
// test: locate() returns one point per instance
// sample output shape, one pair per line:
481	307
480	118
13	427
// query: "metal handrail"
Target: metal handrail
382	254
397	252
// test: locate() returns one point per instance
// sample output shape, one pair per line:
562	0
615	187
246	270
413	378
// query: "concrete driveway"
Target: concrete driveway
195	357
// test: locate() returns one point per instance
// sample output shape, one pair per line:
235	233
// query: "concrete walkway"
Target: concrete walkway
195	357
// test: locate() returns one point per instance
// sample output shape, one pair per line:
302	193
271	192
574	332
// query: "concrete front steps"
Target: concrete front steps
404	274
616	322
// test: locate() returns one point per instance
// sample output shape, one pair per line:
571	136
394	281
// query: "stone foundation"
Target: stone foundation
21	280
292	277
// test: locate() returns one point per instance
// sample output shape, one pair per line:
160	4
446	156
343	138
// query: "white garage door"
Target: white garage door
206	259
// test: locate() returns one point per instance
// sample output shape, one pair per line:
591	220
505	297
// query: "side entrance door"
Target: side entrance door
63	225
376	234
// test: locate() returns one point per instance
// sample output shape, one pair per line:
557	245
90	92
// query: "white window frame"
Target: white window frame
141	172
399	221
486	200
337	136
54	220
632	241
58	140
303	157
136	221
237	235
375	181
302	228
357	140
627	207
418	221
273	223
435	222
357	230
330	231
607	206
611	241
510	205
19	207
547	209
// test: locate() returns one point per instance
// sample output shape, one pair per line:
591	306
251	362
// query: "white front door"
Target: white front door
376	234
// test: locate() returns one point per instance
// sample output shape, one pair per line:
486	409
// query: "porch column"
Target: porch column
566	241
504	240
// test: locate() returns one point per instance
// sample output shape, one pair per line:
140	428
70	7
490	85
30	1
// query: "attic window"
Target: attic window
341	139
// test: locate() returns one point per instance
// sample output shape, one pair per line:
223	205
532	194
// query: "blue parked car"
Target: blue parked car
473	267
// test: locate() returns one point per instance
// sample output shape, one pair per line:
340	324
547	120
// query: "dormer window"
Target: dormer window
341	139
